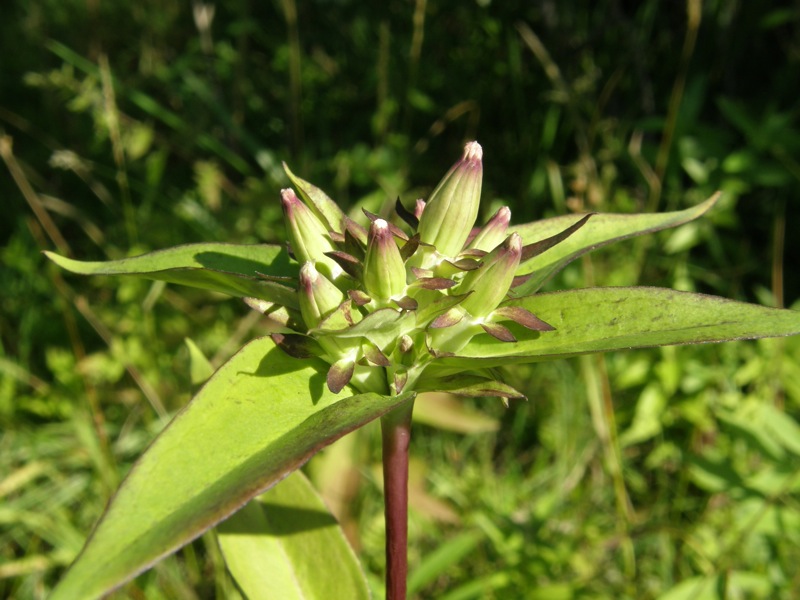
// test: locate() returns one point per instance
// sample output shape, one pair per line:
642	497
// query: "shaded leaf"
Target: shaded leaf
349	263
340	374
534	249
274	544
409	247
297	345
447	412
443	558
522	317
471	386
200	368
404	214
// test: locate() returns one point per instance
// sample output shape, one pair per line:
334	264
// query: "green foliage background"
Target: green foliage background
663	474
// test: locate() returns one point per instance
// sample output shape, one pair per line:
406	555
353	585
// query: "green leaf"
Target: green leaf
601	229
257	419
470	386
443	558
200	368
227	268
605	319
445	411
285	545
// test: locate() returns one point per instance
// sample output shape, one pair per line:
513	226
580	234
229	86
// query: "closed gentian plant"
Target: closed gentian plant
366	314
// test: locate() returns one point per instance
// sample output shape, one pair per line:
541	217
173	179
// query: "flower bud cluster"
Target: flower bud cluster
380	305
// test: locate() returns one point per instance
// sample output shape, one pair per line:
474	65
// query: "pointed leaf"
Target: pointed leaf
471	386
285	544
410	247
534	249
404	214
340	374
602	229
447	319
200	368
499	332
226	268
257	419
297	345
522	317
406	303
605	319
447	412
433	283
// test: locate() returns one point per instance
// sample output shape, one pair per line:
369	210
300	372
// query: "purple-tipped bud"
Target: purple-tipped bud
453	206
490	284
318	297
419	207
307	234
493	232
384	271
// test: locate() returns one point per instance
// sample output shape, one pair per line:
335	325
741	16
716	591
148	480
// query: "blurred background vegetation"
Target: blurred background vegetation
130	126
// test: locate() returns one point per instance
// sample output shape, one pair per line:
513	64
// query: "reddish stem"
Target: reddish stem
396	431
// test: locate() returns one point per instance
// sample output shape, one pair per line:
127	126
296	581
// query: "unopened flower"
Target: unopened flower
493	232
452	208
308	235
317	296
490	283
384	271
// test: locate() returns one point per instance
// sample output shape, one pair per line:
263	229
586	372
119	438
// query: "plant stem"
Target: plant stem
396	432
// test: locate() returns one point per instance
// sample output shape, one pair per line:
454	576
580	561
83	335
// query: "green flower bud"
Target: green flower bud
318	297
493	232
384	271
308	235
452	208
490	283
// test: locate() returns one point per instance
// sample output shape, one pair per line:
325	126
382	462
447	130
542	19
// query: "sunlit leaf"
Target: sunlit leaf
227	268
256	420
605	319
600	230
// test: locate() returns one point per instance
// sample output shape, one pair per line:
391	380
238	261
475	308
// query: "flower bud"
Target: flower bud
490	283
318	297
493	232
452	208
308	235
384	271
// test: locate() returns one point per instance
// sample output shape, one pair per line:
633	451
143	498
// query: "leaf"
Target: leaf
602	229
285	545
200	368
227	268
443	558
606	319
470	386
447	412
257	419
